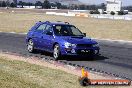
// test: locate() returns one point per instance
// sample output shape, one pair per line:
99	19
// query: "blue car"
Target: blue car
60	38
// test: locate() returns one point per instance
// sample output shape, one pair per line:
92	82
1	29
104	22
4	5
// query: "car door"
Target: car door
48	38
37	35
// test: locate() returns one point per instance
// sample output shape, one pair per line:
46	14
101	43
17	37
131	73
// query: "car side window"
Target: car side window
42	27
74	30
48	29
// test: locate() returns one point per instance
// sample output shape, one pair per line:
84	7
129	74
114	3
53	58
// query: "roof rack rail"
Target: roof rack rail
64	22
47	21
38	22
67	23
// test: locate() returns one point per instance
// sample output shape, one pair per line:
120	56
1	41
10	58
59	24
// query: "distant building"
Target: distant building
113	5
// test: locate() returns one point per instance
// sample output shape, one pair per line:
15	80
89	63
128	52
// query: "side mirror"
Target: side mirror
84	34
49	33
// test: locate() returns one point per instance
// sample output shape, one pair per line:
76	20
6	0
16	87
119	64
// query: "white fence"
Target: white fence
27	7
100	16
68	14
116	17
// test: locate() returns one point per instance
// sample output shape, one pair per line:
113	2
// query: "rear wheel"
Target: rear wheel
30	46
56	53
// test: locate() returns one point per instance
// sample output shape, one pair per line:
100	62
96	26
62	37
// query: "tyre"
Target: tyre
56	52
30	46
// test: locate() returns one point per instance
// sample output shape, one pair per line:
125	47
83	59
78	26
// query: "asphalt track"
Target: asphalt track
116	57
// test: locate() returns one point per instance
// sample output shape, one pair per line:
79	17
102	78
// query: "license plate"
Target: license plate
85	51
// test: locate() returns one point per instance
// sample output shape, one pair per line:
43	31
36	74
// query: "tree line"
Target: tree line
129	8
7	3
47	5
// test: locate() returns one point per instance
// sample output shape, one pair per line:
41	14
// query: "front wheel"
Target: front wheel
56	52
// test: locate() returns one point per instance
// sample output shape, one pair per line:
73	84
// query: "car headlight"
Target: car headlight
74	45
96	45
67	45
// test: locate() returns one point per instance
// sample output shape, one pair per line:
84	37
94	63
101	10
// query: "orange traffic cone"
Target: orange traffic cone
84	80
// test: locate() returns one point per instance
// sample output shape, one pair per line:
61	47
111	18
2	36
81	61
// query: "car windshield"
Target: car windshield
67	30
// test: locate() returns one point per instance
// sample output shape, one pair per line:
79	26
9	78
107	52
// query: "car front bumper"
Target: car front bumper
80	51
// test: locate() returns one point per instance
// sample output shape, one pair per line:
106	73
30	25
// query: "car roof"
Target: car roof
54	23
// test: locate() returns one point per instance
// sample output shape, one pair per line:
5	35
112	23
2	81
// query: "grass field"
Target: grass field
19	74
95	28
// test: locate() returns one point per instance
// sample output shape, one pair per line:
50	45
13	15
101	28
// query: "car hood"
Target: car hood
78	40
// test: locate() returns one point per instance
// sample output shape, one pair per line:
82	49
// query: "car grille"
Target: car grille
84	45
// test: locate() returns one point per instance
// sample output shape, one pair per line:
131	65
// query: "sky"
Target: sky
124	2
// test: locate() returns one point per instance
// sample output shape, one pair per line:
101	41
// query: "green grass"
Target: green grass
95	28
18	74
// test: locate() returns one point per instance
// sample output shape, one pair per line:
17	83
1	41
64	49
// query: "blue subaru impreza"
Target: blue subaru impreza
60	38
